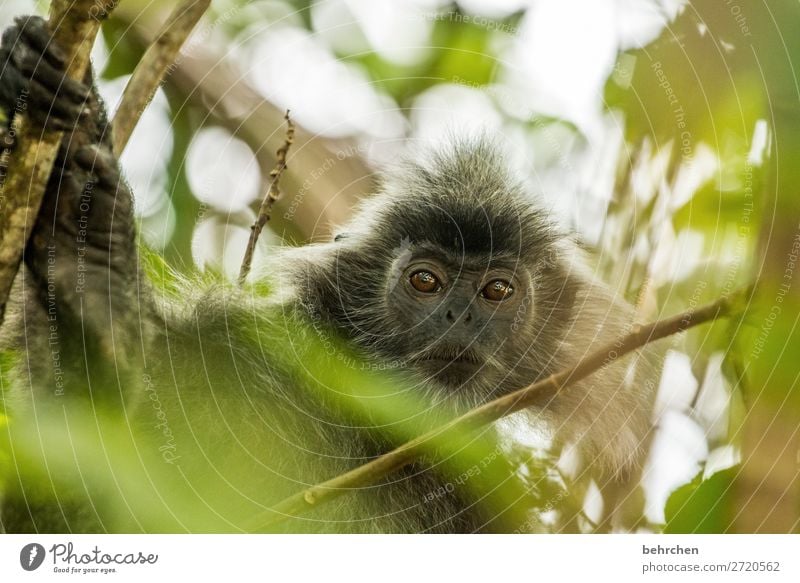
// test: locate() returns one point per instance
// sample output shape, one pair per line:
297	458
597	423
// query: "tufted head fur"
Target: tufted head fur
461	209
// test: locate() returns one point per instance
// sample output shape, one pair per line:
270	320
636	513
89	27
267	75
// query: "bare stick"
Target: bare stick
75	24
480	416
269	199
150	71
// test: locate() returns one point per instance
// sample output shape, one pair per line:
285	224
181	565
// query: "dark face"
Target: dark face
438	276
455	318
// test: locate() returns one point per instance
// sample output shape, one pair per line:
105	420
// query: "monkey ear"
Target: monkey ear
340	237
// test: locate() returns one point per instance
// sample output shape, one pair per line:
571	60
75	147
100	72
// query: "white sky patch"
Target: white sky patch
222	170
662	258
702	167
714	401
157	228
603	150
639	23
427	4
678	385
147	155
646	178
13	8
335	24
596	177
220	243
574	175
554	146
497	9
569	463
100	54
293	70
678	449
512	101
721	459
399	32
449	109
732	250
758	147
687	255
565	52
593	503
520	430
548	517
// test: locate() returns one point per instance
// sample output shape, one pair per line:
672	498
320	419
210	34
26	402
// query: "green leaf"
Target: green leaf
702	506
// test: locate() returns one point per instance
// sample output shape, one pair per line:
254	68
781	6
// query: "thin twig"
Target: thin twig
494	410
269	199
150	71
75	24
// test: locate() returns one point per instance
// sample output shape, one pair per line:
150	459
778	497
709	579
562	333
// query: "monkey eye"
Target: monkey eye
425	282
497	290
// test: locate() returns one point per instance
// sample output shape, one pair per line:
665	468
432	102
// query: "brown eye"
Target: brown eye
425	282
497	290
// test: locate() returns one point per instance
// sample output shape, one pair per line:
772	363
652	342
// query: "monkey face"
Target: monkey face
437	273
455	316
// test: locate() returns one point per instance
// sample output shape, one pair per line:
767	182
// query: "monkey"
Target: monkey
450	286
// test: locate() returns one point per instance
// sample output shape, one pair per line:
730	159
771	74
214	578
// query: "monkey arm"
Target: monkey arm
81	264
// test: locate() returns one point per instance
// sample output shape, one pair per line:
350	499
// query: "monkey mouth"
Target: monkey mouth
450	354
451	366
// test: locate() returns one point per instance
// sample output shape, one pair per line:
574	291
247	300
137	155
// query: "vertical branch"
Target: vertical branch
150	71
75	24
269	199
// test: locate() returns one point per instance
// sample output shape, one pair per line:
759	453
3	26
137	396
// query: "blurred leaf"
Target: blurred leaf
698	78
710	208
467	56
460	52
123	50
702	506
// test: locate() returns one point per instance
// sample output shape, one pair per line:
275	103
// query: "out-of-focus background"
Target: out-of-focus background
665	133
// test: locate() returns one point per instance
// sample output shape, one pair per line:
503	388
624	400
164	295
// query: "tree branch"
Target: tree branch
75	24
401	456
149	72
328	175
269	199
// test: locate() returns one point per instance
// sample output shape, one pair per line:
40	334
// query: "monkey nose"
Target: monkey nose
465	316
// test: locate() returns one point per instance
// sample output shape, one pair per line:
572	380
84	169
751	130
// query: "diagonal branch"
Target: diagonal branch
149	72
75	24
480	416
